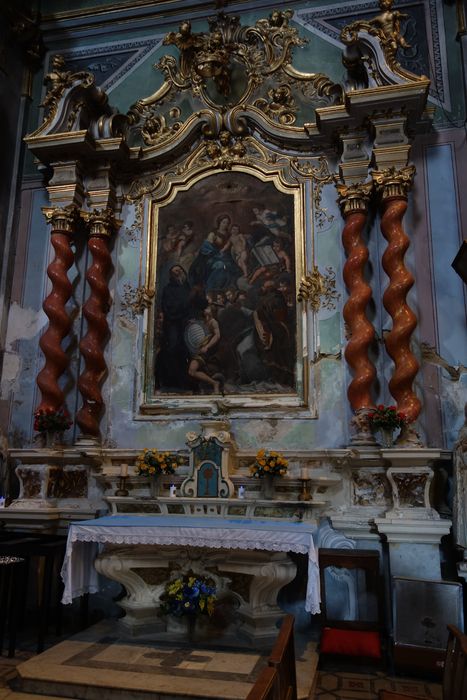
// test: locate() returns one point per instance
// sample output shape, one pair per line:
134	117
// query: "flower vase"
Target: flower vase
386	438
178	626
154	485
184	627
53	438
267	486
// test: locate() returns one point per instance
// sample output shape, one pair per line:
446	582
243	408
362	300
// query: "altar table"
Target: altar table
86	537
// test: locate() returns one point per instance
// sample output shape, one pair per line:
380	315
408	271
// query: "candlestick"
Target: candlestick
122	490
305	495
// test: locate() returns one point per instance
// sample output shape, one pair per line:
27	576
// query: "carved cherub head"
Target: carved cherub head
224	138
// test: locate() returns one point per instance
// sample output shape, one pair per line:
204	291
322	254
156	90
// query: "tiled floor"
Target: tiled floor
359	686
227	673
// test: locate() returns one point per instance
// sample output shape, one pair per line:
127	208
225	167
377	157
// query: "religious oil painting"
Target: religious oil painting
224	320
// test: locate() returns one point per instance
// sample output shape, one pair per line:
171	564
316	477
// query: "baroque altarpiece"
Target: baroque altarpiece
210	204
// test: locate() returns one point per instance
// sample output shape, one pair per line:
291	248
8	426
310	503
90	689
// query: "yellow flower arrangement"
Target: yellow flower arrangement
151	462
273	463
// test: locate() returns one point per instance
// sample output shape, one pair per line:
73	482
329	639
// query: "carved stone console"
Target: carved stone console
247	583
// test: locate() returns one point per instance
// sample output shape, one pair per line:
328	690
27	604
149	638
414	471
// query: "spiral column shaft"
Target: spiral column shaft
393	185
354	205
63	223
95	310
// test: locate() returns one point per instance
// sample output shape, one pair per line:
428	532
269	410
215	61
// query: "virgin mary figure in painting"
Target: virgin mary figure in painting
214	266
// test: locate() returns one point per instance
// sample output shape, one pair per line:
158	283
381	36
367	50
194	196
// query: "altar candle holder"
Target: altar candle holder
122	490
305	495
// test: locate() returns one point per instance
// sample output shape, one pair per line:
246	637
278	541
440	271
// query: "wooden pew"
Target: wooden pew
278	681
282	659
266	686
454	674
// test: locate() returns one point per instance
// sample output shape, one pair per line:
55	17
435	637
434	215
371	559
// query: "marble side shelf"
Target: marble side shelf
217	507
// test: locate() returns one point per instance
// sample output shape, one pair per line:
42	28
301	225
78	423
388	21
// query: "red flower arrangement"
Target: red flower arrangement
387	417
47	420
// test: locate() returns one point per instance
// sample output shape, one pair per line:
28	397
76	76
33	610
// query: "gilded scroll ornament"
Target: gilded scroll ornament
57	81
157	127
254	54
319	289
140	188
321	176
136	299
280	106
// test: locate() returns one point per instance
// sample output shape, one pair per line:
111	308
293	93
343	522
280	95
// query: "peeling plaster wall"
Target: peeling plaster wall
435	221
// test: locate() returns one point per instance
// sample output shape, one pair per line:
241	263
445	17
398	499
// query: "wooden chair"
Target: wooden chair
43	555
278	681
360	638
455	671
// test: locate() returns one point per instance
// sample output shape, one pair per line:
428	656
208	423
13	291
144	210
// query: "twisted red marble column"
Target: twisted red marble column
56	361
393	185
354	205
95	311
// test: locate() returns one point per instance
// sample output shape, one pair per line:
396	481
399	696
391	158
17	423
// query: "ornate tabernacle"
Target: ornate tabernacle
209	462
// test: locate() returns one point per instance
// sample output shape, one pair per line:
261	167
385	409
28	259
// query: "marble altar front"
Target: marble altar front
247	558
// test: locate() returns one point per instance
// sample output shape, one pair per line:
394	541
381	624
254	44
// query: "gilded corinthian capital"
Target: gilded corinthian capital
62	219
392	182
101	222
354	197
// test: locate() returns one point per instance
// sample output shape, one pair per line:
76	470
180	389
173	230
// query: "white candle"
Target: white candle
173	491
304	473
241	492
124	470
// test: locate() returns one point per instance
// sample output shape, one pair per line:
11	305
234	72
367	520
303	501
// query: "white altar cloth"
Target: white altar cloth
86	537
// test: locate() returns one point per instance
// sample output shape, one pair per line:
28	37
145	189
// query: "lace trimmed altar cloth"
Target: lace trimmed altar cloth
86	537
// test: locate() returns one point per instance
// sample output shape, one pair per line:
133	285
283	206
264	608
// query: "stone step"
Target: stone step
7	694
100	665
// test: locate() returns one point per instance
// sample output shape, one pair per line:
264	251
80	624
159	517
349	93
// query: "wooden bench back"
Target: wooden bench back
278	681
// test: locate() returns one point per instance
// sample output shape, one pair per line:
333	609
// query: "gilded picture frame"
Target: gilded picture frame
225	256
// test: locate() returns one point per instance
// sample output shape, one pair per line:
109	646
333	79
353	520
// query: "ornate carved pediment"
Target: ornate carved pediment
233	65
76	113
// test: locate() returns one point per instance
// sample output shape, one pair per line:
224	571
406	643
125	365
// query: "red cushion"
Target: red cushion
350	642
